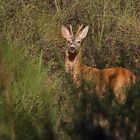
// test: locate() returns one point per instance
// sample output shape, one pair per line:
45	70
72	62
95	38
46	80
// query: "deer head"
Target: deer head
74	40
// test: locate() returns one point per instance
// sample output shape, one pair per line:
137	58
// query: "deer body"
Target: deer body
118	79
79	71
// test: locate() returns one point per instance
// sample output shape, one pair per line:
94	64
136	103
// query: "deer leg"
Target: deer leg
120	94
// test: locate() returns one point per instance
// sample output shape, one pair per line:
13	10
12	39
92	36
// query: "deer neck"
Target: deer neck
73	63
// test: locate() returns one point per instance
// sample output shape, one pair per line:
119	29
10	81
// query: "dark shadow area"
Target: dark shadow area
48	132
93	117
87	131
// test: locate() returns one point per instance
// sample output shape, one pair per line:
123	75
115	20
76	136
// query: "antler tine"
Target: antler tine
79	29
71	30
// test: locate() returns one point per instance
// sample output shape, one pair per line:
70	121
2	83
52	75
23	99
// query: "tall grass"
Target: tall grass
30	95
43	101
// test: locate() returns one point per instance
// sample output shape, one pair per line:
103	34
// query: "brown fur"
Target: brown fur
118	79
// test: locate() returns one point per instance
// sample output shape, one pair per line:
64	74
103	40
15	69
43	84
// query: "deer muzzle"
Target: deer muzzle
72	49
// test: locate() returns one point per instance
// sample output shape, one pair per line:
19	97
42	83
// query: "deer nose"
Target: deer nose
72	49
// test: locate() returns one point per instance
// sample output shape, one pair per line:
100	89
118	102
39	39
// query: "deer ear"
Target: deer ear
83	33
65	33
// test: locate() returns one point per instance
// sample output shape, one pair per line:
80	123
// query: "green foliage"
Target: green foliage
31	97
44	103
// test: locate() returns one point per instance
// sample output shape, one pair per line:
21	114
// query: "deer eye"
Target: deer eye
69	42
78	42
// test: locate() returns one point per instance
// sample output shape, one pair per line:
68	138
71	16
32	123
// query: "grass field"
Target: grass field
38	101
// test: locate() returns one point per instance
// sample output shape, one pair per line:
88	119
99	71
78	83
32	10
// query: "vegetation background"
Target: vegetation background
37	99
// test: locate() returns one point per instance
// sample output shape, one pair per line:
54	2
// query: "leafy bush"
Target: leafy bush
44	104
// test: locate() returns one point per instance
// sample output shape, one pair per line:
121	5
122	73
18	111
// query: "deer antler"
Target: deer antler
71	30
79	29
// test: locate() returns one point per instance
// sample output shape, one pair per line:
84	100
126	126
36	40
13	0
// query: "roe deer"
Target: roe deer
118	79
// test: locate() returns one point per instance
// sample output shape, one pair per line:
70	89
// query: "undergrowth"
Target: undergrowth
38	99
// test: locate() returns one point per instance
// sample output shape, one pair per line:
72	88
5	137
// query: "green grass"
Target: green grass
42	97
